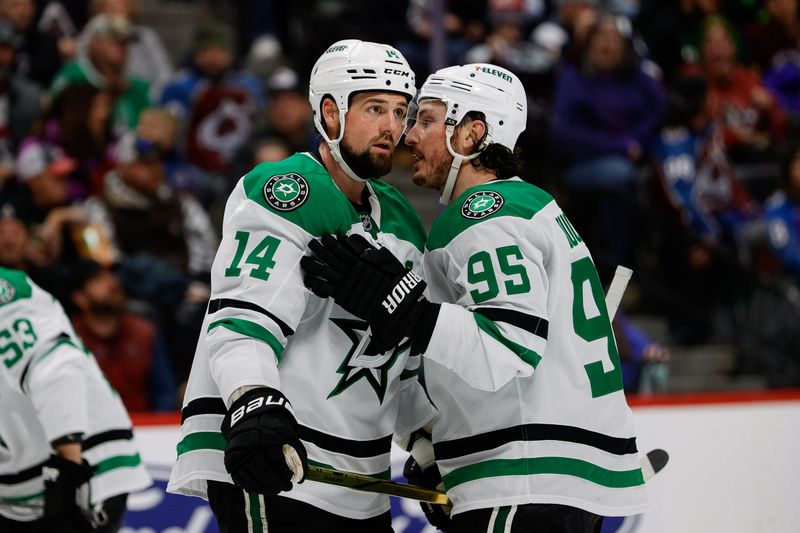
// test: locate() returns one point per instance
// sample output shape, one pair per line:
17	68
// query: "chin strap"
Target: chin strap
337	155
455	166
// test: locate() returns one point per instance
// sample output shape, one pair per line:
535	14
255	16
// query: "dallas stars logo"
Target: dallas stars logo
7	291
481	204
286	192
375	377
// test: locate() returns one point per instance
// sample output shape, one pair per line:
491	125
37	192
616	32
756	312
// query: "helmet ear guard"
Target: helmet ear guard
352	66
491	90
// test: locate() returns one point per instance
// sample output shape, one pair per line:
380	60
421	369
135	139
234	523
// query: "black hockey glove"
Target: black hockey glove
438	515
373	285
256	428
67	493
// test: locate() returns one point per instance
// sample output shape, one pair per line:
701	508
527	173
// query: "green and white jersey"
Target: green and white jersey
522	365
50	387
264	327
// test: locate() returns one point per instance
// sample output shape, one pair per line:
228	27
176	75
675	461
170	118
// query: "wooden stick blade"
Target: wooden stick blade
373	484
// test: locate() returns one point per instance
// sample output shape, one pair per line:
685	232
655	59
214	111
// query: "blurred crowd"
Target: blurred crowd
668	129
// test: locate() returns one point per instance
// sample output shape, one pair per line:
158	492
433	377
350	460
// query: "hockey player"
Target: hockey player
532	431
67	456
280	378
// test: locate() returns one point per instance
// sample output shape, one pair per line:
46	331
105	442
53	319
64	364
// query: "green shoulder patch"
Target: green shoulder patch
300	190
14	285
481	204
286	192
499	198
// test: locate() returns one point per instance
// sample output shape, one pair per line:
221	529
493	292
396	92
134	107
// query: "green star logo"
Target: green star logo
377	377
286	192
7	291
481	204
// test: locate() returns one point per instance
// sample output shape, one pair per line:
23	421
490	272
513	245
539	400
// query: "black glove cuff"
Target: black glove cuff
254	403
57	469
423	326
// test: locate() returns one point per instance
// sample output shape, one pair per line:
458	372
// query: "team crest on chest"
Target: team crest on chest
481	204
7	291
286	192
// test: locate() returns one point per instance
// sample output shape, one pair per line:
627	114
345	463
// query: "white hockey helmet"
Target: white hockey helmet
351	66
488	89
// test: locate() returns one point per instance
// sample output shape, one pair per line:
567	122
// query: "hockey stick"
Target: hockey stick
651	463
373	484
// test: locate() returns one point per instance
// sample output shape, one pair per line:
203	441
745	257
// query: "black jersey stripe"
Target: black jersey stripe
353	448
532	323
106	436
204	406
451	449
23	475
222	303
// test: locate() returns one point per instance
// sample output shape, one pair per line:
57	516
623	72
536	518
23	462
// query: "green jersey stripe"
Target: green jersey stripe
22	499
544	465
491	329
117	461
500	519
255	513
202	440
408	374
250	329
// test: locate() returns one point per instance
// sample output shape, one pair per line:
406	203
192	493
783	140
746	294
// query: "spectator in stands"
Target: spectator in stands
287	126
16	252
672	31
605	113
42	170
779	32
214	100
37	53
776	48
782	215
747	112
103	67
147	56
79	121
288	113
19	104
643	361
463	24
128	348
712	211
165	239
159	128
506	42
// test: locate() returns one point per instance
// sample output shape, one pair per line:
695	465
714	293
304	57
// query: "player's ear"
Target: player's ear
330	117
476	133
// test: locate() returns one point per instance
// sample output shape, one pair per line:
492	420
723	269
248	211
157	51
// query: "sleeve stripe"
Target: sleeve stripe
204	406
222	303
490	328
250	329
531	323
351	447
482	442
106	436
21	476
